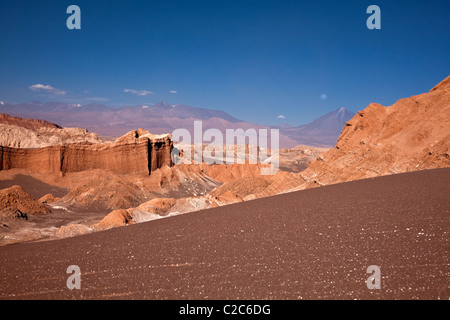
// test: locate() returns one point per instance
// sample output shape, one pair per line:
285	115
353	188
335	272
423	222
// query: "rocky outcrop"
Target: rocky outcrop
16	132
33	124
17	203
72	230
157	206
139	152
413	134
104	192
228	197
116	218
163	207
254	187
48	198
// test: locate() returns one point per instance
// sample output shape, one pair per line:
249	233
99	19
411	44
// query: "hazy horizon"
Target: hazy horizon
266	62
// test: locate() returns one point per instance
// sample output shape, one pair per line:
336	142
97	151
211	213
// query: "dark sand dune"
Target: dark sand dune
311	244
34	187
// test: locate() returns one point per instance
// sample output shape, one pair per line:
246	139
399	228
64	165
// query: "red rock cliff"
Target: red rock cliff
139	153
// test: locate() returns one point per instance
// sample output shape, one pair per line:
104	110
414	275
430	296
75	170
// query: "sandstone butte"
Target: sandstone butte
137	152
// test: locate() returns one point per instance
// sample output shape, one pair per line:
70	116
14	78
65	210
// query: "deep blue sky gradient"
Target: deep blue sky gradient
253	59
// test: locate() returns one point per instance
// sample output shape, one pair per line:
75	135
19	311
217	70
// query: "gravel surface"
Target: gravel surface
311	244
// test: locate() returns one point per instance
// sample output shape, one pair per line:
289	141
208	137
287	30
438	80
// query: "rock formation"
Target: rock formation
157	206
48	198
32	124
137	152
104	191
413	134
72	230
15	202
297	159
254	187
116	218
16	132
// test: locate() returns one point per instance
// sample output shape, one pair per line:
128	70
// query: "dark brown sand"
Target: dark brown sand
312	244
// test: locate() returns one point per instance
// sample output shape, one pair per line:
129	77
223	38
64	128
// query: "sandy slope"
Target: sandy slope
311	244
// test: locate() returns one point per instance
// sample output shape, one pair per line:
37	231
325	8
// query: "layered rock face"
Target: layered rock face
139	152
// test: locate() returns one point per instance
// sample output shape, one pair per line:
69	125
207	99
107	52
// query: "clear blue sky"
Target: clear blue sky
253	59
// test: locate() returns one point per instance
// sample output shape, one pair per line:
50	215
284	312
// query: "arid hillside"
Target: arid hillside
16	132
412	134
104	185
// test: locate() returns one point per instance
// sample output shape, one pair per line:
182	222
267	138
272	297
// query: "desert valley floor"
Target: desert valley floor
309	244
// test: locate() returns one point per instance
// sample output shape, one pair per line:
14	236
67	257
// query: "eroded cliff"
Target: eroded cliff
139	153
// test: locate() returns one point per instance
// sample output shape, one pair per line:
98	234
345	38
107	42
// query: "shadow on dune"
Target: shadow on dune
32	186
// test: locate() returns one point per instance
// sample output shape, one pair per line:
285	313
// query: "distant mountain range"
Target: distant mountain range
165	118
323	131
